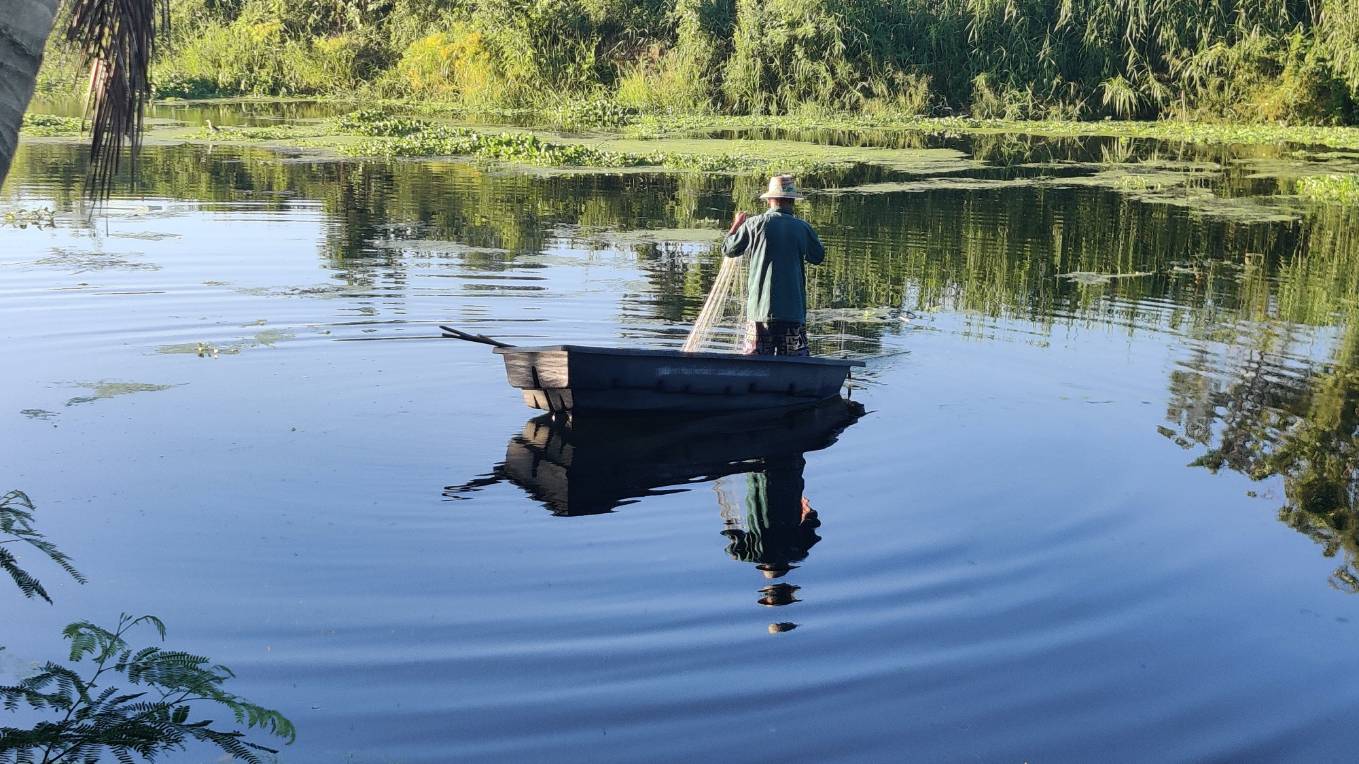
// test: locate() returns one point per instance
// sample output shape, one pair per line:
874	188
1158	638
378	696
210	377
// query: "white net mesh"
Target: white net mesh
721	322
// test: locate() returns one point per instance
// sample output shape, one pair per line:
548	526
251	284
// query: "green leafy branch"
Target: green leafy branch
96	719
16	523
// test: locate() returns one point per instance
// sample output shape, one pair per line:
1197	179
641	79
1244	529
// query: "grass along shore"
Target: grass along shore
595	134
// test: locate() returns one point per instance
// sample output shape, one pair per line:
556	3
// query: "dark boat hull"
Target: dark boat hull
577	378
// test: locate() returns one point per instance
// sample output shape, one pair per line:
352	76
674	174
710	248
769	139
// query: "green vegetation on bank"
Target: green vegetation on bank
1242	60
1167	130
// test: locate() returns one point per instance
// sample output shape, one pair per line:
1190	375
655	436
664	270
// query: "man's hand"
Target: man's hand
736	222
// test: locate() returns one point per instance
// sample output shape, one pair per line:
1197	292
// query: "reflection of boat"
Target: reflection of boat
577	378
591	465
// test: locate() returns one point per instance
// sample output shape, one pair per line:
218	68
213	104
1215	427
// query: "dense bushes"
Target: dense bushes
1278	60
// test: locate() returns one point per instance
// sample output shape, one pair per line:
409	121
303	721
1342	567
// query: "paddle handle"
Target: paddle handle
456	334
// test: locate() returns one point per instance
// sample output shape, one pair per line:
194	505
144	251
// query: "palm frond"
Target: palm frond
116	39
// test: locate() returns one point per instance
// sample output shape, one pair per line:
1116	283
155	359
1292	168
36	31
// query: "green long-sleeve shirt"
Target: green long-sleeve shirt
778	243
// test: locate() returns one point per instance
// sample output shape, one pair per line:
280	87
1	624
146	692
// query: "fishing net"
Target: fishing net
721	322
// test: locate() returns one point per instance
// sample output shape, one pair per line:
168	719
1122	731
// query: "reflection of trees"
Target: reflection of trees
1265	407
991	253
1303	429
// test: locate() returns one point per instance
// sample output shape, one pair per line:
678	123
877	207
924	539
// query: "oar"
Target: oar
455	334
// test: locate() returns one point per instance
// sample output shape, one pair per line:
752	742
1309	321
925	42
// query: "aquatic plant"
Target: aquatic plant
1334	189
281	132
23	217
51	125
594	113
379	122
393	136
511	147
93	719
16	527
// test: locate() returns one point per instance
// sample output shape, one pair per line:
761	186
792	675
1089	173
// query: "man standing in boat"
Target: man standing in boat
779	243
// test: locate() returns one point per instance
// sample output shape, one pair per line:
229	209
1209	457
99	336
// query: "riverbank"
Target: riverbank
625	137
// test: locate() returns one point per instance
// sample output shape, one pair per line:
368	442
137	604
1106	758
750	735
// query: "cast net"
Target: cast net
721	322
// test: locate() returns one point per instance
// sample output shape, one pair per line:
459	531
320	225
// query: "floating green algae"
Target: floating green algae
80	261
200	349
930	184
648	235
106	389
1203	202
433	247
204	349
868	315
271	337
1091	278
145	235
1154	184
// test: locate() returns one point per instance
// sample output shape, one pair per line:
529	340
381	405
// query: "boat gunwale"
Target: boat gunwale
679	354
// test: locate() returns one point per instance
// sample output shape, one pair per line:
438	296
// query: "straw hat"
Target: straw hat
782	187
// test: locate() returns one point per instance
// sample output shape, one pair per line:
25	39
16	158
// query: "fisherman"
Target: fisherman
778	242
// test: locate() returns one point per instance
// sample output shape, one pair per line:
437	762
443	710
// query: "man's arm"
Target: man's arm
816	252
738	237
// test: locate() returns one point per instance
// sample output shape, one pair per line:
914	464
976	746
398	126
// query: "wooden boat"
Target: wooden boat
588	465
579	378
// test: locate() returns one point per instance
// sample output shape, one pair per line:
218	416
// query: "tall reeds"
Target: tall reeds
1288	60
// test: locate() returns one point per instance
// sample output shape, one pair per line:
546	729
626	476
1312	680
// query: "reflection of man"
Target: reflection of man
780	523
778	243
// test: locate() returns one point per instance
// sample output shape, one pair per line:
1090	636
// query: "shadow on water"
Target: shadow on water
588	466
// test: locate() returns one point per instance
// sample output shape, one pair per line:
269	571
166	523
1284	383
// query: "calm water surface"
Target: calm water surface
1104	515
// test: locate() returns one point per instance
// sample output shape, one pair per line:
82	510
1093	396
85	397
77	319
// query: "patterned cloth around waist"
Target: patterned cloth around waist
776	338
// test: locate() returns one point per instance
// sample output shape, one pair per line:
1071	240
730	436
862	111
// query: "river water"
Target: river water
1100	502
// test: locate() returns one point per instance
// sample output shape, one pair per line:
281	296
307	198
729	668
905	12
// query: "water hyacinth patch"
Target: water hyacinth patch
51	125
1332	189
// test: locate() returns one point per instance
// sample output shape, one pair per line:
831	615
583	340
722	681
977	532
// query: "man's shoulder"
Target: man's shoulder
788	219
